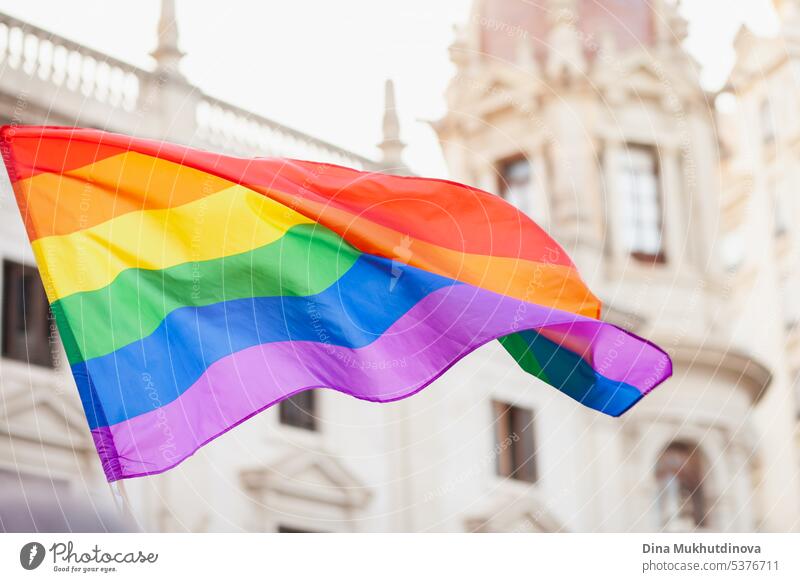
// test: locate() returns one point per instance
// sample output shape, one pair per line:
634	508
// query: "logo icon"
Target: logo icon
31	555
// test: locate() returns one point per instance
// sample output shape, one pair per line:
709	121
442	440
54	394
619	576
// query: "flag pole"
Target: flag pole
121	500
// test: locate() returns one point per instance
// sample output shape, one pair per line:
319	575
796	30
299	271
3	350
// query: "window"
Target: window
680	472
514	442
27	329
516	181
299	410
641	205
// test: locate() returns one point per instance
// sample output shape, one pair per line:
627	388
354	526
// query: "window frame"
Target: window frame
516	458
22	286
631	224
300	411
690	480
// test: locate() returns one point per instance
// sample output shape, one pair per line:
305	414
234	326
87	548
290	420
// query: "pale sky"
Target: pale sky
319	65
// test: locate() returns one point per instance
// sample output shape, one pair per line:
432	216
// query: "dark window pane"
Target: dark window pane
515	445
299	410
27	329
524	446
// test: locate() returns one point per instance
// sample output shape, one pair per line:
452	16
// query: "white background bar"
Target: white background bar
409	557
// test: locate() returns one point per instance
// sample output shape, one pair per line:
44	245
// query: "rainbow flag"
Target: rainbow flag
193	290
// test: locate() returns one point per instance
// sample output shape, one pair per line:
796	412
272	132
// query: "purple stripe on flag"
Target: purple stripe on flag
414	351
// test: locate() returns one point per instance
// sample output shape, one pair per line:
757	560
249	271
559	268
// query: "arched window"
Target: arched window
680	472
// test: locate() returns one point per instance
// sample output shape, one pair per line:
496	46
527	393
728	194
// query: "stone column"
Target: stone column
169	108
741	487
674	222
612	235
458	161
169	104
486	176
540	204
391	145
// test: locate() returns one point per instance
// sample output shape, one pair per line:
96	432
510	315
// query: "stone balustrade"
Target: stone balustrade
54	60
232	129
93	89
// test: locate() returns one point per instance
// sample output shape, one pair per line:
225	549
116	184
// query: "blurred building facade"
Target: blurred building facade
590	116
587	114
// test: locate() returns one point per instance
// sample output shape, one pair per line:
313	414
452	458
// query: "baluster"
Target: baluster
211	123
252	133
15	41
3	41
73	70
30	53
241	129
233	128
116	80
201	118
263	138
102	80
88	75
60	55
230	122
215	121
131	91
46	50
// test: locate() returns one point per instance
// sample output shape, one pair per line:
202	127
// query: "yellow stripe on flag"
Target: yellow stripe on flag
233	221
